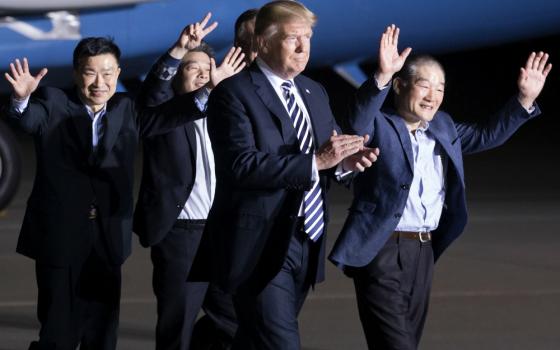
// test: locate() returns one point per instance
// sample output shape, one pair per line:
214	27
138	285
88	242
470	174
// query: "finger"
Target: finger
405	53
334	133
376	151
359	167
41	74
212	64
10	79
19	68
395	38
530	60
205	19
227	58
537	60
14	71
235	54
240	59
366	138
210	28
547	70
542	63
365	162
240	67
25	65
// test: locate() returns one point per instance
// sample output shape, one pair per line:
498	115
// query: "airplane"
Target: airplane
345	36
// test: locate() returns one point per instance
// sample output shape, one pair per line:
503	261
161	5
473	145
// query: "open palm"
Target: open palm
23	83
532	77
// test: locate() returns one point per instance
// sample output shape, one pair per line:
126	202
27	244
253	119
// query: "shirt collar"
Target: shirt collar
274	79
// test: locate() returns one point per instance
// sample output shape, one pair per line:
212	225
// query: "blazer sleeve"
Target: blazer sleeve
365	107
35	117
233	137
157	87
495	130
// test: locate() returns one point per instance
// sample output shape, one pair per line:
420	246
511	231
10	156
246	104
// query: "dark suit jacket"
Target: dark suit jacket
70	177
380	193
261	177
169	164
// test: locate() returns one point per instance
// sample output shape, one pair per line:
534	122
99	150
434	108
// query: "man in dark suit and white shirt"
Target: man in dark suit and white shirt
78	222
410	206
178	184
275	144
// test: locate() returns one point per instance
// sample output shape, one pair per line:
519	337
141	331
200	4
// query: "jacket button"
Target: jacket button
397	215
405	187
179	206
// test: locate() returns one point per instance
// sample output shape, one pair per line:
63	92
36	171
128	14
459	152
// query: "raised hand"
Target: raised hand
232	64
532	78
390	61
23	83
191	36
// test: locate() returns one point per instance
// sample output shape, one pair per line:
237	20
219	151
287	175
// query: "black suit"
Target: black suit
72	179
169	169
261	179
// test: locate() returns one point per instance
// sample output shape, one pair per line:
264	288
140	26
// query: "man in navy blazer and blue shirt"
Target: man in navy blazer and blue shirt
264	239
177	186
410	205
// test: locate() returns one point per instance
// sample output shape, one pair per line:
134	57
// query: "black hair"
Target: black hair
240	30
410	67
94	46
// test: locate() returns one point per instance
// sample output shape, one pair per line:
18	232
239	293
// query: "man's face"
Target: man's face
195	72
287	51
246	41
420	99
96	79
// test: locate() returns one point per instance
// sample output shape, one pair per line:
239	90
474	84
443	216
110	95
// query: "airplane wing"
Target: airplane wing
25	6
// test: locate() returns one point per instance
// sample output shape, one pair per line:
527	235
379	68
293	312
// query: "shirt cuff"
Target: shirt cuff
201	98
314	170
20	105
340	173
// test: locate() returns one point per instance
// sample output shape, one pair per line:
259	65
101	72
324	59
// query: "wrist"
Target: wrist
177	52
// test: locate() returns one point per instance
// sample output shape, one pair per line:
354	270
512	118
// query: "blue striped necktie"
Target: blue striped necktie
313	202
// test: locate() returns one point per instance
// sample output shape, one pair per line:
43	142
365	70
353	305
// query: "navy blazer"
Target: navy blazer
381	192
70	177
168	162
261	177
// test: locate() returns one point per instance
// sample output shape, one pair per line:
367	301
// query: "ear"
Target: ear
262	44
398	85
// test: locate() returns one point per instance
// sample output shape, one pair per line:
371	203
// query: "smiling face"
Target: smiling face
96	79
418	100
286	52
195	71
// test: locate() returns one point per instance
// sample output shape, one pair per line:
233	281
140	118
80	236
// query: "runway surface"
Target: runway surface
497	287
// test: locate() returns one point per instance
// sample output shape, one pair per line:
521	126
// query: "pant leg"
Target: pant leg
217	328
269	320
178	301
392	294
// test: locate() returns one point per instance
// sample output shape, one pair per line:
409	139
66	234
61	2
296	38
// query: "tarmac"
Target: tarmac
497	287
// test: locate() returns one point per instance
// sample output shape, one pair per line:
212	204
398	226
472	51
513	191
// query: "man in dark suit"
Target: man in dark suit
78	222
265	232
410	206
178	183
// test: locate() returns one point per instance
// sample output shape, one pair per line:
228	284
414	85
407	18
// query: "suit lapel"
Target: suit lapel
191	139
113	122
320	130
81	122
404	137
442	137
268	96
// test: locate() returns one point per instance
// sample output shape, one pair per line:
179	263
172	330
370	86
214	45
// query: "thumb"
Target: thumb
212	64
334	133
41	74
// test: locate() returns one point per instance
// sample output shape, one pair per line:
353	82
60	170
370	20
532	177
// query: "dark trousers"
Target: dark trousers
269	320
79	304
393	293
216	329
178	301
